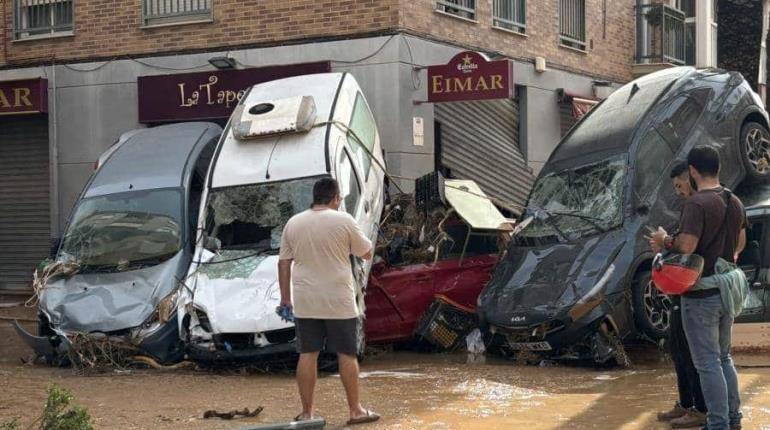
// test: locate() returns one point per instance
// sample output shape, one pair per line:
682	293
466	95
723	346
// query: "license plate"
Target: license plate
530	346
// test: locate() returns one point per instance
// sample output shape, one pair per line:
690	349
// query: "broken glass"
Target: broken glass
253	216
579	201
124	231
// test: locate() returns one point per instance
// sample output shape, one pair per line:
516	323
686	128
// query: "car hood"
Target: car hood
533	285
107	302
239	292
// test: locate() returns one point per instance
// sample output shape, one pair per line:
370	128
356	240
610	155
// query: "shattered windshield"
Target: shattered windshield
124	231
577	202
253	216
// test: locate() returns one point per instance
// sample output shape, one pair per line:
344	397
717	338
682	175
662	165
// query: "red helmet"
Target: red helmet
676	273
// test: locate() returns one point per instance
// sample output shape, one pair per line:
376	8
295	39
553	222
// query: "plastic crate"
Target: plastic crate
429	191
445	324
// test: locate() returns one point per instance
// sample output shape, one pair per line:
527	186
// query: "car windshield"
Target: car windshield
577	202
124	231
253	216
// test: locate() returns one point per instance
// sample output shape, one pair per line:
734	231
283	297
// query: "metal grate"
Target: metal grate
461	8
510	15
572	23
159	12
41	17
660	35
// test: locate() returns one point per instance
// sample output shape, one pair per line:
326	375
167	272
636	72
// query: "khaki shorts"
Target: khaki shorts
337	336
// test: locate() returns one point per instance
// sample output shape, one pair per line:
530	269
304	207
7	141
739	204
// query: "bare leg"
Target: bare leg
307	373
348	365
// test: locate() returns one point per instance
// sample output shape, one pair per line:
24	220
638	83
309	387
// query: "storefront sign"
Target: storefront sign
470	76
27	96
207	95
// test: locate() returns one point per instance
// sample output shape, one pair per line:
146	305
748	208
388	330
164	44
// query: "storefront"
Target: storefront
476	131
207	96
24	182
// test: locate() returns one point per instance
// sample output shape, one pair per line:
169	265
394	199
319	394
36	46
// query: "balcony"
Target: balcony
660	38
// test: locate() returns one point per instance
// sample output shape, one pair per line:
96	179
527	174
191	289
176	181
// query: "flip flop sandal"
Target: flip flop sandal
370	417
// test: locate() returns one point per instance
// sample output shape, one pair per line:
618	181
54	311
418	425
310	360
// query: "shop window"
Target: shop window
350	189
680	116
41	17
462	8
510	15
572	23
170	12
653	157
364	133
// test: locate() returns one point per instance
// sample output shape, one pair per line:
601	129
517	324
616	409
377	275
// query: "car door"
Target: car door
752	261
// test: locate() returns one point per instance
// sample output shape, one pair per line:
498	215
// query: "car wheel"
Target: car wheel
755	151
652	309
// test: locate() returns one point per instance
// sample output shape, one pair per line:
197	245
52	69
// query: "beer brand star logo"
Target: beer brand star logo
467	60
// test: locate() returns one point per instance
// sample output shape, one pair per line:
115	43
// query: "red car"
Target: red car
397	296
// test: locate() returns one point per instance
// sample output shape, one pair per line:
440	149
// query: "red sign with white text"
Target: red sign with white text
470	76
21	97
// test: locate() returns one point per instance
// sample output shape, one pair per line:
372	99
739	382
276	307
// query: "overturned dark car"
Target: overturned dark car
575	282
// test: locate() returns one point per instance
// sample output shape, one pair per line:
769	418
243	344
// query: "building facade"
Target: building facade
76	74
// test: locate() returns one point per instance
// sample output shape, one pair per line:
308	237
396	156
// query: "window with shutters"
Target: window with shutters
461	8
572	23
509	15
170	12
36	18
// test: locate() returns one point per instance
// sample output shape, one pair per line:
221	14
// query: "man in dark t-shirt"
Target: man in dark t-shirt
713	226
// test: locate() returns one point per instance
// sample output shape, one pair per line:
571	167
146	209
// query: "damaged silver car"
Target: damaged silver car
129	241
283	137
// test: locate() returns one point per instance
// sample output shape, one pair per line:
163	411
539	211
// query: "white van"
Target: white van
283	136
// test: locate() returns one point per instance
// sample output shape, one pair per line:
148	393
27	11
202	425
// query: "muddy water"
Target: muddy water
410	390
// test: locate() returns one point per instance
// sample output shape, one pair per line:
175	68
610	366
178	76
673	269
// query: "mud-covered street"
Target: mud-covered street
410	390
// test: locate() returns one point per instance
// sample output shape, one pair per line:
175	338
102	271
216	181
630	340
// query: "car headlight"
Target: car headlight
167	307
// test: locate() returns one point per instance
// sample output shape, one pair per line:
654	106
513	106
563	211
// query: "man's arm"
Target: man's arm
684	243
360	246
284	281
741	244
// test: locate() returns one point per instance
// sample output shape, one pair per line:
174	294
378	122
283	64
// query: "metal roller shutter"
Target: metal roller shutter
24	199
480	141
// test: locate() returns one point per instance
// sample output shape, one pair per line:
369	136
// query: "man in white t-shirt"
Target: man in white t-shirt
320	241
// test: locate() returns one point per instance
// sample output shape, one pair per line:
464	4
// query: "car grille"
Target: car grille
284	335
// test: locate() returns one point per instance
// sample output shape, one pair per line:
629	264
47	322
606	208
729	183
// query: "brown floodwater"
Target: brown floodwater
410	391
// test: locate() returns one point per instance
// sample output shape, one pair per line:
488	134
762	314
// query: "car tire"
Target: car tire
651	308
755	151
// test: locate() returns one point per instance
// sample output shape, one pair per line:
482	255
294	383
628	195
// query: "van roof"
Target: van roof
152	158
285	156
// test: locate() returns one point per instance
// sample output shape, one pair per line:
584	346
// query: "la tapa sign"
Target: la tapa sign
470	76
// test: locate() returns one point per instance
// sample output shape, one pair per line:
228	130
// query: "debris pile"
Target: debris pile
409	235
90	353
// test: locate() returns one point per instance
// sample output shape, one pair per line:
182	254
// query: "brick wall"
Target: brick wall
107	28
610	57
110	28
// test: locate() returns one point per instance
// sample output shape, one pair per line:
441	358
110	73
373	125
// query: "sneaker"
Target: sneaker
676	412
693	418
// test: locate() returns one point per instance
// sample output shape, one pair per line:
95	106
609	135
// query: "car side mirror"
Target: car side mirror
212	243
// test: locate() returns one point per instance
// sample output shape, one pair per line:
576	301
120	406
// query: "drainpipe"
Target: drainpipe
5	34
762	78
